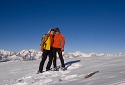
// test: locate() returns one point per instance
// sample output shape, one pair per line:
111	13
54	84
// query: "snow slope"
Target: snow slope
111	72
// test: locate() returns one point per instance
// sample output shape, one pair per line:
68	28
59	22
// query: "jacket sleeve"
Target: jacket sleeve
63	41
43	40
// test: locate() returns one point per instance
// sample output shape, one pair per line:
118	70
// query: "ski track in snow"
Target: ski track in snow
48	77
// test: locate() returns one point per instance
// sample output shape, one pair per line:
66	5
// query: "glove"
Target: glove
62	49
41	49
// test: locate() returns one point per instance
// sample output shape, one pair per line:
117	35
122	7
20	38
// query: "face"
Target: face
57	32
52	32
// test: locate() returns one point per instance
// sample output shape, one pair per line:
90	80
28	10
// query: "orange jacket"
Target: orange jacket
59	41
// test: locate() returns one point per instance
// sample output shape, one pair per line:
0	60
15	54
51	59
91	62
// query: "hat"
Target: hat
57	30
51	30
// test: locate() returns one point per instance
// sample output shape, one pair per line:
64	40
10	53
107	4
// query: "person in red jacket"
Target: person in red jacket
58	47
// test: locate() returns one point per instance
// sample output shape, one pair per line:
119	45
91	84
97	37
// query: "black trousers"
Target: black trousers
44	57
57	50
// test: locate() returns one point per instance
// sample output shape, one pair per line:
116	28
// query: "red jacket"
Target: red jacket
51	39
59	41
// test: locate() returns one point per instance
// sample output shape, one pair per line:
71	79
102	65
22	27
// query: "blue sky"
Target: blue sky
88	25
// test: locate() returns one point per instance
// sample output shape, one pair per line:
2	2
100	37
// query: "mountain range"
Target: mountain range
31	54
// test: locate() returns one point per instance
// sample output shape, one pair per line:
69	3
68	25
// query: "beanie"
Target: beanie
57	30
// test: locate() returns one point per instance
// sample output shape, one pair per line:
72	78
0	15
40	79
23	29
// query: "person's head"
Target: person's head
51	31
57	30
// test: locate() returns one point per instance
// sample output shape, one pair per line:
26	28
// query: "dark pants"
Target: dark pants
44	57
57	50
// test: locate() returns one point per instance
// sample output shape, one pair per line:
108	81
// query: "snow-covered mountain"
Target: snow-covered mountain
23	55
32	54
80	54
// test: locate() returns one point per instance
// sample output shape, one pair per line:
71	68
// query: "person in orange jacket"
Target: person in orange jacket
46	48
58	47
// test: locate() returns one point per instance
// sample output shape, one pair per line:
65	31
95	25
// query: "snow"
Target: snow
111	71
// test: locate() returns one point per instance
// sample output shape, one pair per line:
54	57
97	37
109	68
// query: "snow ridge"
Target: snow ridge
32	54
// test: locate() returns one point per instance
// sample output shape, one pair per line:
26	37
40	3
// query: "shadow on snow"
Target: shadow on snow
69	63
